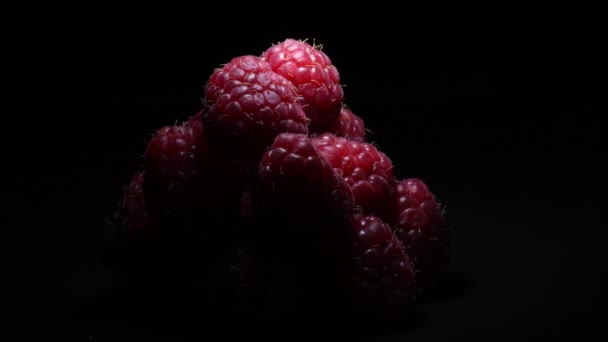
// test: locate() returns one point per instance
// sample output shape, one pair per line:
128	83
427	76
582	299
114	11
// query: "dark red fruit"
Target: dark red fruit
315	77
347	125
132	215
248	106
174	163
195	121
367	171
294	167
421	226
303	227
384	275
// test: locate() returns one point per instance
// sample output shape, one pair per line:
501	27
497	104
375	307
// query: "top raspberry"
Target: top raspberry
248	106
316	79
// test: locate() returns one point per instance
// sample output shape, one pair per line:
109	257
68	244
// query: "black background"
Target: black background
500	117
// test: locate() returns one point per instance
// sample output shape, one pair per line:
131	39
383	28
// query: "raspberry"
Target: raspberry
303	230
195	121
132	213
248	105
384	275
173	163
317	80
272	196
347	125
293	167
421	226
365	169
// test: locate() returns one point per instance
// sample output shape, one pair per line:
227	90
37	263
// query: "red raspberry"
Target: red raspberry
421	226
384	275
190	193
132	213
303	212
294	166
195	121
348	125
173	163
367	171
248	105
317	80
228	181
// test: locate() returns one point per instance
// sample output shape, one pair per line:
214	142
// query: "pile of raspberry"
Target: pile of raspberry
273	195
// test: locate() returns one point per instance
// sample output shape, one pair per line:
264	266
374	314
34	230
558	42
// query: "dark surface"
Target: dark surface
501	121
